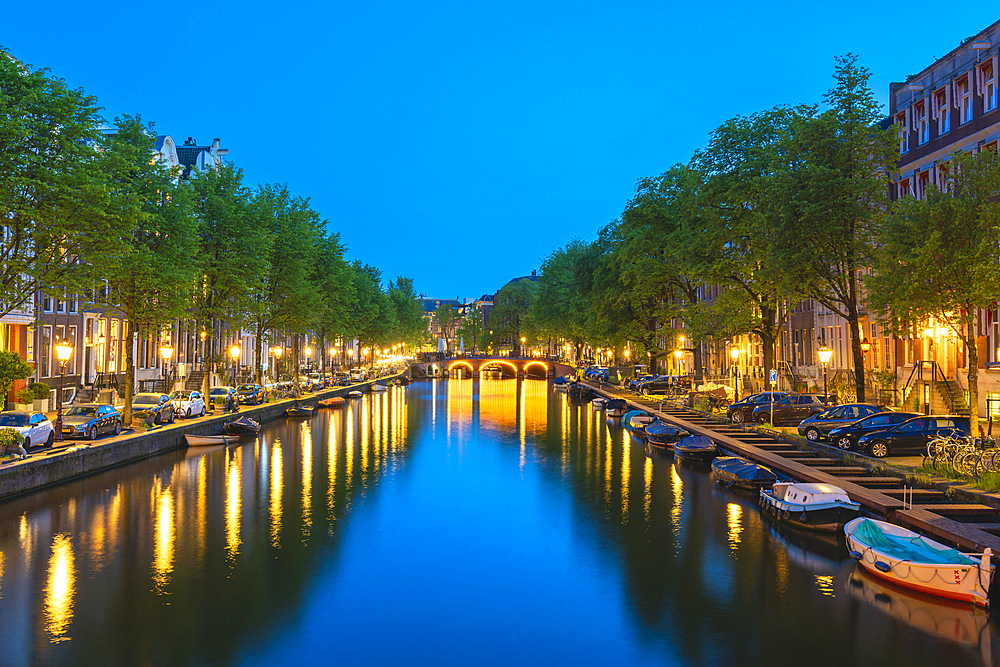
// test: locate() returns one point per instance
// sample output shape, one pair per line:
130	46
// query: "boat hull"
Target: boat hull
208	440
827	517
299	412
334	402
962	582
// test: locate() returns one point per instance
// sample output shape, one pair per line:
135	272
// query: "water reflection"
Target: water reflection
163	546
59	589
274	502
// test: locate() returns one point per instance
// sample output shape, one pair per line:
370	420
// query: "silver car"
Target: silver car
188	403
34	426
90	420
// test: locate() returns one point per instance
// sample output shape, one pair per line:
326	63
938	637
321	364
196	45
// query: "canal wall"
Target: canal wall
84	457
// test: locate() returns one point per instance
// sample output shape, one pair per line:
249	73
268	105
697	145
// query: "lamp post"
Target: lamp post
628	353
734	354
166	352
308	352
234	352
277	359
824	358
677	355
204	335
63	352
523	339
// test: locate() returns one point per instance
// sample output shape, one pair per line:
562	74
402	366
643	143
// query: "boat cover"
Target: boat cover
694	443
743	469
616	404
664	430
562	379
917	549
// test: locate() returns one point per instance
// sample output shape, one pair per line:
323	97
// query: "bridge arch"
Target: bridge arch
461	363
490	362
544	366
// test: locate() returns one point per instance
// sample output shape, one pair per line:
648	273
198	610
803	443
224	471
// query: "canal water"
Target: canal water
451	522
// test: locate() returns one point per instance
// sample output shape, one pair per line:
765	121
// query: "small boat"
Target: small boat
206	440
354	394
598	403
402	381
635	422
579	392
696	448
334	402
664	434
814	506
242	426
735	471
300	411
378	387
615	407
562	380
909	559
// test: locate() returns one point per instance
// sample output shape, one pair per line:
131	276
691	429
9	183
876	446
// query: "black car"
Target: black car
791	409
818	426
250	394
91	420
157	408
846	437
912	435
667	384
742	410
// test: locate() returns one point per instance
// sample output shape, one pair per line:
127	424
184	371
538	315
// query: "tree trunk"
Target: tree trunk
973	354
857	355
129	379
258	370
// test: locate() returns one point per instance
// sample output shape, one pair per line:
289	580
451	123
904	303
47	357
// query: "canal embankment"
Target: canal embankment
78	458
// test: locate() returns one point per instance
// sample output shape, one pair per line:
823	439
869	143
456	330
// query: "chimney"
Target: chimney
534	273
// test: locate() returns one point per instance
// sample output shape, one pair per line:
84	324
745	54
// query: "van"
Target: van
359	375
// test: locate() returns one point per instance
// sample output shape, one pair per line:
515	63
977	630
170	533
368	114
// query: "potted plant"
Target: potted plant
11	442
41	391
12	368
25	398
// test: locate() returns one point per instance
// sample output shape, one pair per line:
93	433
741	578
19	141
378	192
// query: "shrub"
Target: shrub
12	368
9	440
25	395
40	389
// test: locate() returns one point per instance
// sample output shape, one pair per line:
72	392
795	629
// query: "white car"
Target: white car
189	403
35	426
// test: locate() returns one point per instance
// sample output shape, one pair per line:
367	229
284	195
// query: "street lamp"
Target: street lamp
277	350
677	355
63	352
734	354
865	345
522	345
166	352
308	352
234	352
824	358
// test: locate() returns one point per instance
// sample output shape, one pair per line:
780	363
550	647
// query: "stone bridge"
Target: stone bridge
518	366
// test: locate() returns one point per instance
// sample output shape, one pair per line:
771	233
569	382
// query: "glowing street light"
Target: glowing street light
234	352
63	352
734	354
824	358
166	353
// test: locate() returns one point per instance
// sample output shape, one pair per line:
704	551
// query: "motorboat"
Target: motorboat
242	426
354	394
402	381
664	434
580	392
300	411
813	506
207	440
561	380
333	402
599	403
615	407
909	559
635	422
378	387
735	471
696	448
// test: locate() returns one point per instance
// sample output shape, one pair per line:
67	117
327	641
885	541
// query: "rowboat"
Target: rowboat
635	422
354	394
378	387
300	411
735	471
242	426
696	448
334	402
205	440
663	435
909	559
615	407
813	506
599	403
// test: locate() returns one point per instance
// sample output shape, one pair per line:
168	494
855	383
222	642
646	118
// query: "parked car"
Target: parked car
742	410
666	384
818	426
225	395
157	408
90	420
846	437
341	379
250	394
633	384
188	403
912	435
34	426
359	375
791	409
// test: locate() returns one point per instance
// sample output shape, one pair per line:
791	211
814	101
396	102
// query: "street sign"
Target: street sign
774	377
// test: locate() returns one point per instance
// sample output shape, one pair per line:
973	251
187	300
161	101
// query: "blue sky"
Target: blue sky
461	143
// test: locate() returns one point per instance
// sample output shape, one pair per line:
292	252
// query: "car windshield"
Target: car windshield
218	391
246	387
13	420
81	411
146	399
182	395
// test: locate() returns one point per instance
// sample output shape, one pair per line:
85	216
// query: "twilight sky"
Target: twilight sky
461	143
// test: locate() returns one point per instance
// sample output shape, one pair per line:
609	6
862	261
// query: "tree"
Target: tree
371	319
938	257
562	303
831	182
412	329
333	279
150	279
510	307
55	201
471	329
12	369
447	319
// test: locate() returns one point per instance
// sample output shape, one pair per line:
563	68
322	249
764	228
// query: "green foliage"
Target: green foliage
40	390
12	368
10	440
510	307
25	395
447	318
472	331
411	327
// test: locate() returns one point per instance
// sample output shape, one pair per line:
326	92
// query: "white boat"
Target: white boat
814	506
206	440
598	403
378	387
909	559
354	394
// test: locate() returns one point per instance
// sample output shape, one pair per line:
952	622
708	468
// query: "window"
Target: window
993	404
910	427
902	122
923	179
880	420
72	303
71	364
31	345
941	109
888	352
904	188
922	123
46	303
60	306
988	72
44	349
963	97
